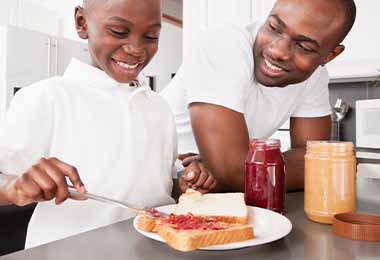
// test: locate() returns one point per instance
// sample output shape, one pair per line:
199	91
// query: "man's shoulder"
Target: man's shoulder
320	77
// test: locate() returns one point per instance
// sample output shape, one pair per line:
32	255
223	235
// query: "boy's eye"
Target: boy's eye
119	33
152	38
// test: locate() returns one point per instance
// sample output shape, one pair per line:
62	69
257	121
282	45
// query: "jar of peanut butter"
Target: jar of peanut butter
330	169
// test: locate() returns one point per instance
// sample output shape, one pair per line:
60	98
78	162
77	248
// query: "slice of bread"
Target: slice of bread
188	240
202	220
226	207
191	239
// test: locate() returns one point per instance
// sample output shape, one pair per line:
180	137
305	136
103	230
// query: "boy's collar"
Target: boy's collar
93	76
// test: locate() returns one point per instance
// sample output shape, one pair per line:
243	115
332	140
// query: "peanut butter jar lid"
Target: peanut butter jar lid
357	226
329	147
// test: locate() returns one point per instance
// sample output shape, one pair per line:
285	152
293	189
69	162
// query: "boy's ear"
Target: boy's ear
334	53
81	23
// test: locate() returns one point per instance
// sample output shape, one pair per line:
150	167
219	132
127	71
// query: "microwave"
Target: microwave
368	123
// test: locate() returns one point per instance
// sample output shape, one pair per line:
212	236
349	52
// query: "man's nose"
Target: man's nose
281	49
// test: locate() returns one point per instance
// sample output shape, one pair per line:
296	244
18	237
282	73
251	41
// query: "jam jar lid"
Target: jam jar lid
264	144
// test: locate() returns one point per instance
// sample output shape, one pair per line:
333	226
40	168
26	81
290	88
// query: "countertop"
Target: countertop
308	240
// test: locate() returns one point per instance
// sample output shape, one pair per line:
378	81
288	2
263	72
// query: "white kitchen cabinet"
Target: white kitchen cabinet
361	59
66	49
27	56
24	59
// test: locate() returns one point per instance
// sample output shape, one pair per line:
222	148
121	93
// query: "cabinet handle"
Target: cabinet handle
49	57
56	56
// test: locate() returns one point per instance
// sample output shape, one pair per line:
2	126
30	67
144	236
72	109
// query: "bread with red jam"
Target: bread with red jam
198	222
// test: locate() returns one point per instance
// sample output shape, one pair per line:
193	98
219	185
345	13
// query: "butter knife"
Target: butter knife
139	209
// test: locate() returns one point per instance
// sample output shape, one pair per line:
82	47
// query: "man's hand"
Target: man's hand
196	176
45	180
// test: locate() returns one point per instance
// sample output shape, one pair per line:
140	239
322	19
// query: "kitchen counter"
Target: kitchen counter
308	240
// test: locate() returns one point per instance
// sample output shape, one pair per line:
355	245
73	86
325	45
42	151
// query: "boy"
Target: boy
98	118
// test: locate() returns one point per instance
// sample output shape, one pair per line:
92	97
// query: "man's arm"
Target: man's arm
302	130
222	139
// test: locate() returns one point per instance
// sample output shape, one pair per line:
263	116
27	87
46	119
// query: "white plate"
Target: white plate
268	226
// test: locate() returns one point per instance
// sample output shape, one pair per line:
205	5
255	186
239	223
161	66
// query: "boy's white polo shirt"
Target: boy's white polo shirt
121	139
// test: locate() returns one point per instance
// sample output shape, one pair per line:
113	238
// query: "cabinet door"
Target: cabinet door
25	57
68	49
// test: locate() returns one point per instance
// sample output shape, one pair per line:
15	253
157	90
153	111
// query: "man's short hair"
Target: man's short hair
349	9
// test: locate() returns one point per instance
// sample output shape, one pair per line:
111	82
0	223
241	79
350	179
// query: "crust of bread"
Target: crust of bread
187	240
146	223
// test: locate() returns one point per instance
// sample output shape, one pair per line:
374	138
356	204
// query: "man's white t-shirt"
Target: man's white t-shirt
121	139
220	71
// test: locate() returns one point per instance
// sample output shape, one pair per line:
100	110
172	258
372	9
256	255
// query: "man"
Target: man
245	82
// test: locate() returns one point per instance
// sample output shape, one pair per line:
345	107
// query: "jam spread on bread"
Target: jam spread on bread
191	222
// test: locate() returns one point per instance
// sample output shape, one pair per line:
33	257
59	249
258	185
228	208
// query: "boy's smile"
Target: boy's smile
122	35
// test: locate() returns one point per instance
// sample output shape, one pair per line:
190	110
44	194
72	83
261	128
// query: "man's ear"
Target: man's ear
81	23
334	53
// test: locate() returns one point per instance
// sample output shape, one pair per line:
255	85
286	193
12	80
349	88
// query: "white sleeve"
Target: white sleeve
314	101
25	131
220	68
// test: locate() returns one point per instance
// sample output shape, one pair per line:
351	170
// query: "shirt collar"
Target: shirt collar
93	76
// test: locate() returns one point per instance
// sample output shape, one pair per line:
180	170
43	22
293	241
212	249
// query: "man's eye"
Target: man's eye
304	48
273	28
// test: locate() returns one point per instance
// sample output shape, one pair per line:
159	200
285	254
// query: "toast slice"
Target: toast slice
226	207
202	220
188	240
189	232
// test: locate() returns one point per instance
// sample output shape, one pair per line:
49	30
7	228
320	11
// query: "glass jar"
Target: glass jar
330	169
265	175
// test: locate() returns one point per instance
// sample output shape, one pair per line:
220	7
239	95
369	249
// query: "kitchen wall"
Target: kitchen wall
350	92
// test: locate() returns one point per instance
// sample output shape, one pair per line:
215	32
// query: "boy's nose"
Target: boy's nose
133	49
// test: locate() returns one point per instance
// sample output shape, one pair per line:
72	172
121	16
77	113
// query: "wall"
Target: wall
65	10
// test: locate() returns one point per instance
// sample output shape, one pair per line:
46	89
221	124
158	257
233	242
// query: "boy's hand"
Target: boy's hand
45	180
197	177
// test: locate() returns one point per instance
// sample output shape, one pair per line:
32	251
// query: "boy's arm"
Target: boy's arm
302	130
4	183
45	180
222	139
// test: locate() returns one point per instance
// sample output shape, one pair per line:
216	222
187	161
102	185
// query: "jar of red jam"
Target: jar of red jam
265	175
